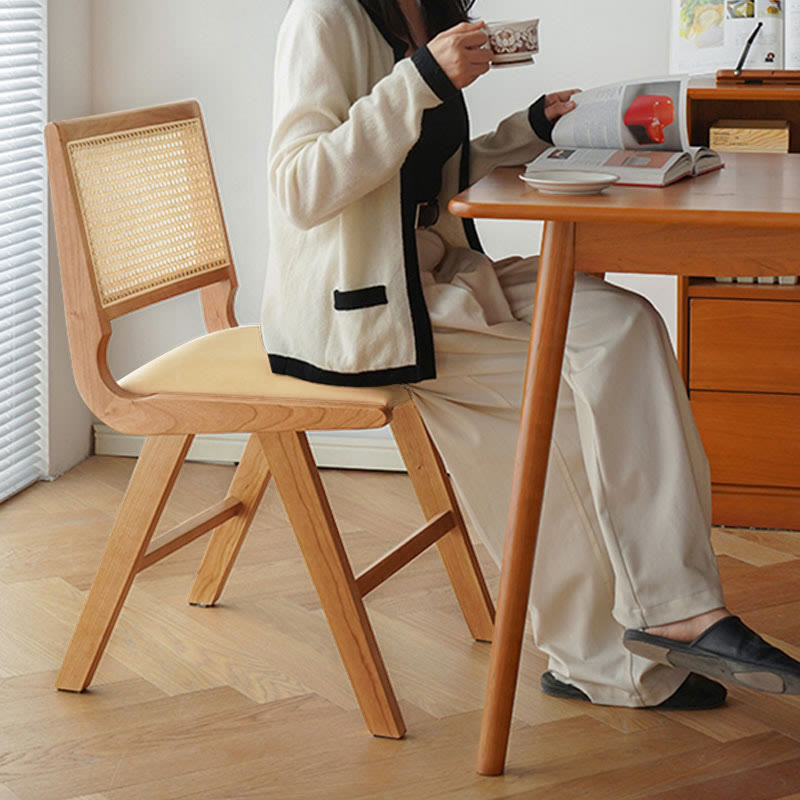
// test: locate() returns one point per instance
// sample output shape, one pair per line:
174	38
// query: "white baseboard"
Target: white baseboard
369	449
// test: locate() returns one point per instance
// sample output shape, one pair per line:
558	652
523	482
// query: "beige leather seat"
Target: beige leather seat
233	362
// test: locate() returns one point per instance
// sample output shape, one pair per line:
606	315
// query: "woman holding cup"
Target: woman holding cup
370	281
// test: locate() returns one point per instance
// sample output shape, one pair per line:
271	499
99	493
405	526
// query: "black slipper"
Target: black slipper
696	693
728	651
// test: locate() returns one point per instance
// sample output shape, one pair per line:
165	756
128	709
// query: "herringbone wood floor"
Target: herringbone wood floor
249	699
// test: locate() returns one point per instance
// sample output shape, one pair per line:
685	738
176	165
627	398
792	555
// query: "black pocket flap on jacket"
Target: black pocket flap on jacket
359	298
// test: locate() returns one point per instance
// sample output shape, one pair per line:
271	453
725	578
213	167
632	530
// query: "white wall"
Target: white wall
221	52
69	95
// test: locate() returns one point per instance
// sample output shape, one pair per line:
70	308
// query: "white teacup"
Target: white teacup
512	41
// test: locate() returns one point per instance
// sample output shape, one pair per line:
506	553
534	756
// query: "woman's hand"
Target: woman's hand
558	104
460	52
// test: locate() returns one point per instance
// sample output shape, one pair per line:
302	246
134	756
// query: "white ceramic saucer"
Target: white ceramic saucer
517	62
569	181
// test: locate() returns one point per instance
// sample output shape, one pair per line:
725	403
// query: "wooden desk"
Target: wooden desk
743	220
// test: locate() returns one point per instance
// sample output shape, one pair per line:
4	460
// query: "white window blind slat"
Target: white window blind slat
16	194
17	24
27	176
23	336
22	213
19	217
22	407
18	266
21	133
13	412
28	421
25	448
16	479
16	388
18	243
21	367
22	136
25	451
24	330
20	58
17	125
26	434
23	377
15	162
15	311
23	339
26	445
10	181
23	397
23	246
19	316
20	285
19	263
19	39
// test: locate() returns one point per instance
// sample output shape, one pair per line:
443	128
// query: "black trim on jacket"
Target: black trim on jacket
433	74
470	231
285	365
421	321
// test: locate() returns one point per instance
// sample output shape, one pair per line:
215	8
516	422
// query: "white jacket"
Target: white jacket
343	302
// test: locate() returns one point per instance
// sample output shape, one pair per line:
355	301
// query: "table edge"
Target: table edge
598	214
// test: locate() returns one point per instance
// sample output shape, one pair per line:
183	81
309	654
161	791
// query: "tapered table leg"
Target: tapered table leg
548	334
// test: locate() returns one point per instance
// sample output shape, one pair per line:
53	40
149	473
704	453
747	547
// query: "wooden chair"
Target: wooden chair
138	220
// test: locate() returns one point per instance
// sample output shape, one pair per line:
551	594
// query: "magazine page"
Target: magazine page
707	36
644	167
644	115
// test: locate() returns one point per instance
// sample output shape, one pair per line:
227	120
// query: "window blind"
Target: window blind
23	249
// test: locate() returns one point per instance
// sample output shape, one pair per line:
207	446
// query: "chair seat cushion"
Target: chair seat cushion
233	362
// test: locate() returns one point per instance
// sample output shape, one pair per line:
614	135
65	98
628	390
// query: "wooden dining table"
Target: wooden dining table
742	220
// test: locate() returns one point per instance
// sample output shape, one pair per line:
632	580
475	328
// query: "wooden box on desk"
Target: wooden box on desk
753	136
737	346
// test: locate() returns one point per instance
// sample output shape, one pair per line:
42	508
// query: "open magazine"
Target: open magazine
637	131
707	36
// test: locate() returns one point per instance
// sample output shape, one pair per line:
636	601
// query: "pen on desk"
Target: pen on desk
743	58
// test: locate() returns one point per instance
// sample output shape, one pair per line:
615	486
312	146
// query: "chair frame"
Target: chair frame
277	447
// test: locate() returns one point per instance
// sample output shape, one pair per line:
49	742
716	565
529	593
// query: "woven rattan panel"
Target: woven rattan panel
149	207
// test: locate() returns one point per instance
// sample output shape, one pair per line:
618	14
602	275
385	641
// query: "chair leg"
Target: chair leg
248	486
307	506
435	493
149	488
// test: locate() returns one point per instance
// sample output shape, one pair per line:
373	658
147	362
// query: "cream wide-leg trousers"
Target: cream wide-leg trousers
624	535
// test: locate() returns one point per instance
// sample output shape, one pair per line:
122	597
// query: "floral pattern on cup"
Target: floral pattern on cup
514	39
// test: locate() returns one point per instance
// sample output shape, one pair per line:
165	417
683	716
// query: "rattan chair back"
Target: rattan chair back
138	220
149	208
145	194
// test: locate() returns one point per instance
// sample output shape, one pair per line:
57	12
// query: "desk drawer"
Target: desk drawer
750	439
744	345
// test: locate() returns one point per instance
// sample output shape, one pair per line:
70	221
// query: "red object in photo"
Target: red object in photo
652	113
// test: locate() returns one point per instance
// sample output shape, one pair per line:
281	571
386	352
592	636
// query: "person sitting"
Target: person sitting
371	281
